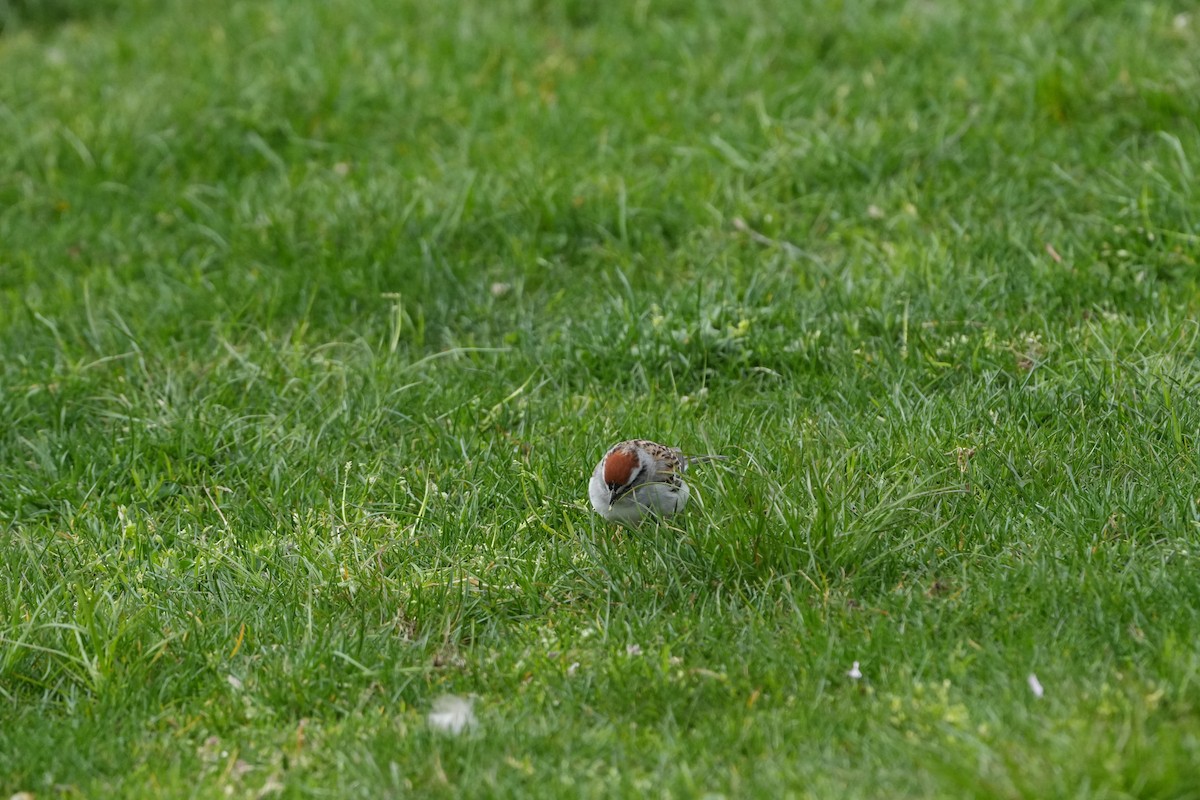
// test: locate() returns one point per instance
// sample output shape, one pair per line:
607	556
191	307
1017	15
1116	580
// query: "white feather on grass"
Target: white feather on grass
452	714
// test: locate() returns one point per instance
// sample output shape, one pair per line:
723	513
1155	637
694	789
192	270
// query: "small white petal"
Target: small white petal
854	673
452	714
234	681
1035	685
571	670
633	650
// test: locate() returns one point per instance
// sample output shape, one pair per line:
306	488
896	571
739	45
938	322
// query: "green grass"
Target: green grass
315	317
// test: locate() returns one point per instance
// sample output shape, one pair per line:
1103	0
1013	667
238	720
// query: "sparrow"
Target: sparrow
638	479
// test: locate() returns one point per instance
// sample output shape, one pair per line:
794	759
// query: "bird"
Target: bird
639	479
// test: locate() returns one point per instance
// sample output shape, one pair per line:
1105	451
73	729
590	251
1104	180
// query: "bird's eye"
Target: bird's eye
613	486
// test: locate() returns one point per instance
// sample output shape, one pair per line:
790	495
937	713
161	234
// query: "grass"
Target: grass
315	317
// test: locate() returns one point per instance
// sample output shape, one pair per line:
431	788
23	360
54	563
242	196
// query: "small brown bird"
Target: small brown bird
638	479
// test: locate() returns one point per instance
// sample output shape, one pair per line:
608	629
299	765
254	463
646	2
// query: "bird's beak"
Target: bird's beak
616	494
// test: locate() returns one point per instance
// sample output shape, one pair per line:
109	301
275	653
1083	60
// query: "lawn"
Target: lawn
316	316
